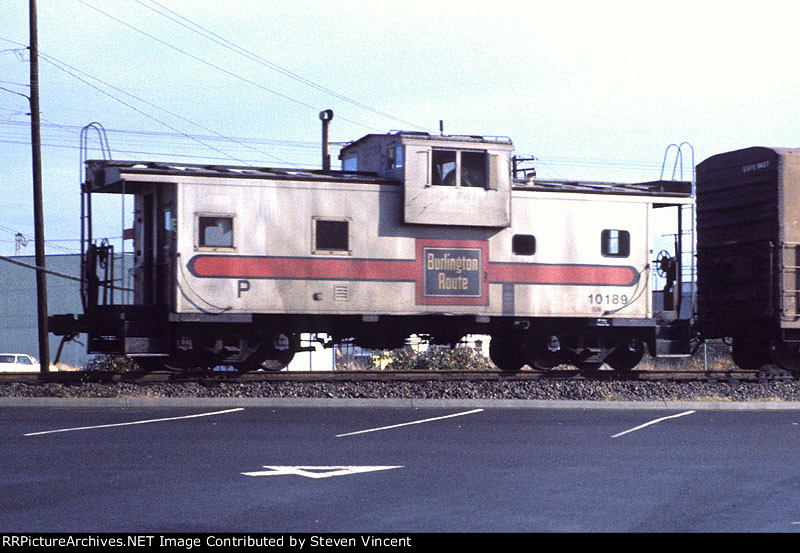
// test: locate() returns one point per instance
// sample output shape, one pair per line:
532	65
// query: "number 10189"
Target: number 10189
608	299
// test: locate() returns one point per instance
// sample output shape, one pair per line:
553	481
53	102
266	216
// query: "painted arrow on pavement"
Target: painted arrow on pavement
316	471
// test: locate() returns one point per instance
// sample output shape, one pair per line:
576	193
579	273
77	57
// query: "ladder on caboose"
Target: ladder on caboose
686	245
673	333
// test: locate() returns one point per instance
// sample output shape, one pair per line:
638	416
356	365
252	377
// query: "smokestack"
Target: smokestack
326	117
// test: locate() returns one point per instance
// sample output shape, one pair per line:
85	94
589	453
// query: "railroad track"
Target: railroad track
77	377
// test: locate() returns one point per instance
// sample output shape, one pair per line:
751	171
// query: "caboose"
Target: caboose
416	234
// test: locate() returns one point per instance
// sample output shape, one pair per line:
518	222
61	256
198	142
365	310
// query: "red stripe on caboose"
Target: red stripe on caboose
535	273
303	268
219	266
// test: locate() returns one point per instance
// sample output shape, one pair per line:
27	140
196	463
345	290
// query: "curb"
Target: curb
407	403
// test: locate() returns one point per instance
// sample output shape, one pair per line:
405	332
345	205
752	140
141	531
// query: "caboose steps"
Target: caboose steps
673	339
127	329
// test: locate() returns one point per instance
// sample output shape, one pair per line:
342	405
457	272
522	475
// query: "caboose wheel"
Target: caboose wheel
786	355
545	362
544	352
148	364
276	364
274	354
626	356
272	363
588	365
506	353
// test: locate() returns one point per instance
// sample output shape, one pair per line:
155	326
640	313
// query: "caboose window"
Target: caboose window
214	231
350	163
523	244
615	243
473	169
331	236
459	168
395	157
444	168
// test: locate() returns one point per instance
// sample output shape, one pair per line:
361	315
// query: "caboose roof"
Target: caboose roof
412	135
666	188
108	175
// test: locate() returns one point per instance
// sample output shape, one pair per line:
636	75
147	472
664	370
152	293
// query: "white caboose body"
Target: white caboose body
417	234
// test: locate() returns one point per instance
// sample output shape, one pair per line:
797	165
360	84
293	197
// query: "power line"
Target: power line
217	67
559	161
547	163
312	147
73	70
47	242
56	273
156	149
48	271
15	84
160	154
55	64
14	92
20	53
214	37
74	129
140	141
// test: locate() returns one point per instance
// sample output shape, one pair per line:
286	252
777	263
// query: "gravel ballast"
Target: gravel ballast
582	390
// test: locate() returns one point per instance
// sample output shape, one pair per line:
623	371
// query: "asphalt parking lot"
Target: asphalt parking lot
466	468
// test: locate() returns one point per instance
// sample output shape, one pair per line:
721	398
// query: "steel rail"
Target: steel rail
178	377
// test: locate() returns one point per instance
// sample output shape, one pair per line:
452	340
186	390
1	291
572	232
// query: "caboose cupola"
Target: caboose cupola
447	180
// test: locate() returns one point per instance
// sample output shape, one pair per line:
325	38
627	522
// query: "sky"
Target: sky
595	90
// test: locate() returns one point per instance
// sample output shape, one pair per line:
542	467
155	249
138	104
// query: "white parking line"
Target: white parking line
651	423
135	422
409	423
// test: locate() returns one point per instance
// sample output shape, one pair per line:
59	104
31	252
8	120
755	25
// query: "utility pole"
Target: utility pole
38	210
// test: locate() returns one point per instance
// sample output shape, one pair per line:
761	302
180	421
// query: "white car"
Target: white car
18	363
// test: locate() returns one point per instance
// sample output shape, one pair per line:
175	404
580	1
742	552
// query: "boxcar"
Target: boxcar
748	248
